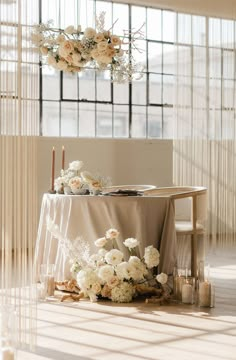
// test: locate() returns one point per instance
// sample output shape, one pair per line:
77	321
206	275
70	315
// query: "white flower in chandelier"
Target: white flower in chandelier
62	65
76	165
151	256
89	33
101	242
162	278
66	48
114	257
115	40
131	243
112	234
70	30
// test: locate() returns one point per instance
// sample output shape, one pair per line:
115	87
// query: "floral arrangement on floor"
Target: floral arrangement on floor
106	275
73	50
75	181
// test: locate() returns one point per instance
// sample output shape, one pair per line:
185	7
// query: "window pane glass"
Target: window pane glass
155	57
139	121
169	59
154	24
184	29
168	89
120	13
121	93
103	86
70	86
155	89
87	127
121	121
104	120
51	83
168	18
154	122
139	91
138	19
168	123
199	30
69	118
50	10
51	123
87	85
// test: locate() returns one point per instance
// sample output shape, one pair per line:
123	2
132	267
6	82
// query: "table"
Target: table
146	218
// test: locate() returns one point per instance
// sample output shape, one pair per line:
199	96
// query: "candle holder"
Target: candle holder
47	280
8	333
178	280
206	290
188	290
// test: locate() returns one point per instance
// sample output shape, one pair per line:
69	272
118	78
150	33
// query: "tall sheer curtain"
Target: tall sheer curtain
205	131
19	126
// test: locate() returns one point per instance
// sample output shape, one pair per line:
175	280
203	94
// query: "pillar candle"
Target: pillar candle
7	354
53	169
205	294
63	158
187	293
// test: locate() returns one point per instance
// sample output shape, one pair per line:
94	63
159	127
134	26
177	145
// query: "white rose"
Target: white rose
113	282
99	37
44	50
76	57
62	65
151	256
102	46
131	243
123	270
70	30
101	242
89	33
114	257
105	272
75	183
162	278
104	59
60	39
115	40
66	48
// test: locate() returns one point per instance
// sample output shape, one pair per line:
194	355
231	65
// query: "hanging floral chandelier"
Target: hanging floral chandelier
73	50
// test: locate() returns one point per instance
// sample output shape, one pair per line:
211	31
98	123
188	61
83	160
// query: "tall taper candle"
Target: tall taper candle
53	168
63	158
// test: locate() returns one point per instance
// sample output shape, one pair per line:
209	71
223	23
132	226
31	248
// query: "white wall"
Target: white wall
128	161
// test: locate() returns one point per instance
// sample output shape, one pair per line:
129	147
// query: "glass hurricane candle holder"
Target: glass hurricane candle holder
188	290
178	280
47	280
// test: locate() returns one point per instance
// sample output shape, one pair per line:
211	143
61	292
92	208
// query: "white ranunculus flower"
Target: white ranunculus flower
76	57
131	243
89	33
86	278
70	30
102	46
114	257
162	278
140	269
76	165
105	272
112	234
151	256
101	242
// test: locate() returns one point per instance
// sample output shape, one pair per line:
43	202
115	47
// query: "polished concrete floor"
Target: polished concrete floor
108	331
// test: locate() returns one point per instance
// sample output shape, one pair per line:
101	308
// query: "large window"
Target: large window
89	105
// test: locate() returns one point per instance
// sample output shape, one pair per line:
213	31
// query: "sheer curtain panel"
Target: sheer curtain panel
205	131
19	127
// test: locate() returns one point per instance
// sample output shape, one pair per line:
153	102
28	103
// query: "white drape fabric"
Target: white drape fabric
205	131
19	127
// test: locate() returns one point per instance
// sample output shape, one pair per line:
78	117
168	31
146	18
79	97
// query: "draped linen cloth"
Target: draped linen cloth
148	219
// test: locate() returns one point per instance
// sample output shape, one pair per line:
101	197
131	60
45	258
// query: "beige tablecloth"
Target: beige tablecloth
148	219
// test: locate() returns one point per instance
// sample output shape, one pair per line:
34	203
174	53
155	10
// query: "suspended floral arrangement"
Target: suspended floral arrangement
74	50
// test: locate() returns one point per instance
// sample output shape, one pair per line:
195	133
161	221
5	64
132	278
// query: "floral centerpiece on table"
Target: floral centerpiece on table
107	274
73	50
75	181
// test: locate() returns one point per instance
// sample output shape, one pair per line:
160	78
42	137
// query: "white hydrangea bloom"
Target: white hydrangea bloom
151	256
105	272
131	243
122	293
162	278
